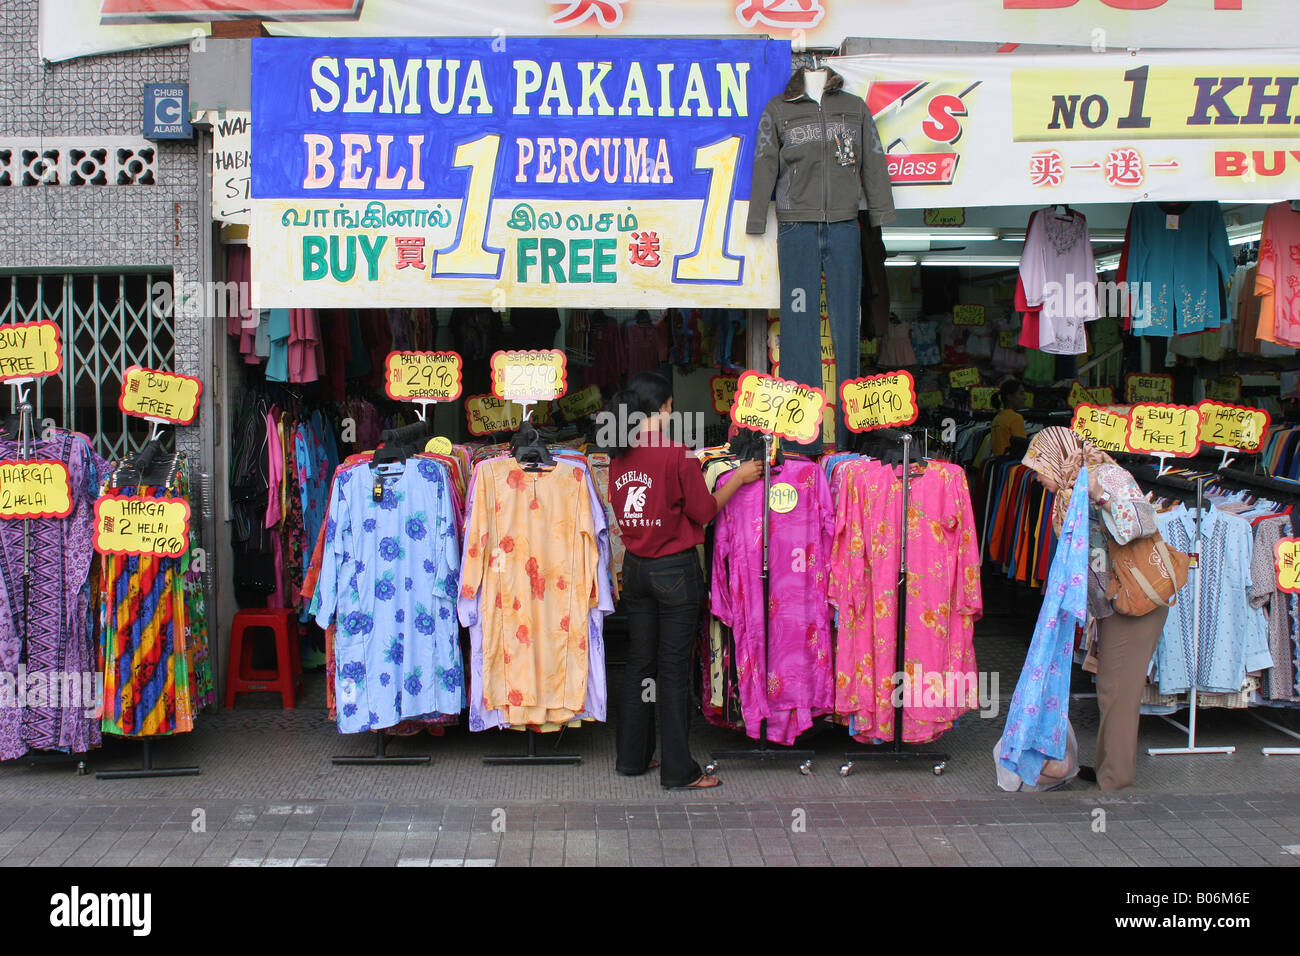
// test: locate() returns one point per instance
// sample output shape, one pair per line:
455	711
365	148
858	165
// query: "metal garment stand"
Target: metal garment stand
1278	751
381	756
147	769
1191	747
896	753
763	751
532	757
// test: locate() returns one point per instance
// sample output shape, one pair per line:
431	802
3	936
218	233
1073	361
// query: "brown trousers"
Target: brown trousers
1125	645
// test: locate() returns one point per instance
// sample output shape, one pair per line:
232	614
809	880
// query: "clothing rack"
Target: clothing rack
896	752
139	465
764	751
381	756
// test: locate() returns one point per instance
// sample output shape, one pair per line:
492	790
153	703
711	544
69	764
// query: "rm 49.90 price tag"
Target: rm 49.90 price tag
776	406
879	401
137	526
531	376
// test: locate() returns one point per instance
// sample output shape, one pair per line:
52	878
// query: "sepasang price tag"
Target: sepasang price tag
879	401
1106	429
581	403
1232	426
1286	561
422	376
1141	387
723	388
136	525
29	350
158	396
35	489
1159	429
531	376
964	377
778	407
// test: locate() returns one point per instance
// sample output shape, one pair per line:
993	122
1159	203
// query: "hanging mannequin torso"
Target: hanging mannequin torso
815	83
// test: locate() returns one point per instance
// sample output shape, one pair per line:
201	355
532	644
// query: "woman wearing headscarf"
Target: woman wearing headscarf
1119	512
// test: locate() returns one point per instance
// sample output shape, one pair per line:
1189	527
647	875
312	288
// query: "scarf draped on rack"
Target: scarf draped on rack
1058	453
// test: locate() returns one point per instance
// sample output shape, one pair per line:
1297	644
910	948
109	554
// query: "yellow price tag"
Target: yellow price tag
964	377
1164	429
438	445
529	376
968	315
1103	395
1232	426
1286	559
157	526
782	498
879	401
981	399
778	407
487	414
1079	395
930	399
1224	389
581	403
422	376
160	396
30	350
723	388
1140	387
1106	429
1008	340
35	489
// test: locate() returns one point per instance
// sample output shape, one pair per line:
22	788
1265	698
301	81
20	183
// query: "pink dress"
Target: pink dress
943	598
793	685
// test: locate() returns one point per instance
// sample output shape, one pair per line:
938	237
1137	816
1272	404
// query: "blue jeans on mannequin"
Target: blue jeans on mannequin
806	250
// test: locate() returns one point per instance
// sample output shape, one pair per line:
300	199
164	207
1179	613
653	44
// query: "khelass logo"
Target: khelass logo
900	108
75	909
634	504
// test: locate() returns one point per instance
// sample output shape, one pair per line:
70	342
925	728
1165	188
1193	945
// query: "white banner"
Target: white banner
232	166
76	27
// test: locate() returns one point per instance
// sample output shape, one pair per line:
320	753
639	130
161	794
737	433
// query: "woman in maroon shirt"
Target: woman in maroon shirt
662	504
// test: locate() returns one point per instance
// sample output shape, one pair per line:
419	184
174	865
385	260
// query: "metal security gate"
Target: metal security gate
107	322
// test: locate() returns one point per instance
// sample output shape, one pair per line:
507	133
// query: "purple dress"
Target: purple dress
56	617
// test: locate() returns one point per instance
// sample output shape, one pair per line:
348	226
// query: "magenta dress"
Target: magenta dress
792	685
943	599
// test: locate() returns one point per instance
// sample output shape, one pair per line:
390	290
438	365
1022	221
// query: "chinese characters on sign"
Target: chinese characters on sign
879	401
160	396
136	525
778	407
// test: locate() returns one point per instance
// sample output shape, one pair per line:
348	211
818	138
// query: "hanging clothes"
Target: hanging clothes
1278	280
1181	250
1059	279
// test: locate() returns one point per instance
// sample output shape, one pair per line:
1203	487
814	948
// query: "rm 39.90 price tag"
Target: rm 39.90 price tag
137	526
879	401
1287	563
530	376
776	406
423	376
35	489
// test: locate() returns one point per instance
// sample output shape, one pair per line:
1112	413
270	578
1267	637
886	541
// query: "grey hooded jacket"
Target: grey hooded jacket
820	156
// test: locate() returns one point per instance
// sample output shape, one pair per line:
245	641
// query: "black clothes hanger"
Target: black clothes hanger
748	445
529	449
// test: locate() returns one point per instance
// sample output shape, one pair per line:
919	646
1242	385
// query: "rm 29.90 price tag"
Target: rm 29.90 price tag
531	376
423	376
775	406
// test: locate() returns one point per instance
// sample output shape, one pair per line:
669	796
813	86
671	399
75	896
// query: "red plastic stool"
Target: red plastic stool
286	679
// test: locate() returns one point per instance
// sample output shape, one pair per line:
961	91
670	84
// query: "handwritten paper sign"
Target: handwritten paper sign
160	396
879	401
29	350
783	498
930	399
232	166
968	315
581	403
537	375
1106	429
135	525
1227	388
778	407
1232	426
1286	560
964	377
35	489
1141	387
487	414
1161	429
1103	395
422	376
438	445
723	388
981	398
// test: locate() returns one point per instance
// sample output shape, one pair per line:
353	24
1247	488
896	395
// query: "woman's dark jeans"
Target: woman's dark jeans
663	597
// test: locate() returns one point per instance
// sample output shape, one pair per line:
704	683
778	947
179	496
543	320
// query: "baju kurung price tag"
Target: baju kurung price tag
1106	429
28	351
160	396
137	525
879	401
35	489
778	407
964	377
1286	561
1143	388
532	376
1232	426
582	403
422	376
723	388
1157	429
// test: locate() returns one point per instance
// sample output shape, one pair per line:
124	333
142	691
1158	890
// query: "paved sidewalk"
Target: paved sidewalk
1062	829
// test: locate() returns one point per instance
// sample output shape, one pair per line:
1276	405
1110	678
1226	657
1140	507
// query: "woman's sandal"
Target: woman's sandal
705	782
